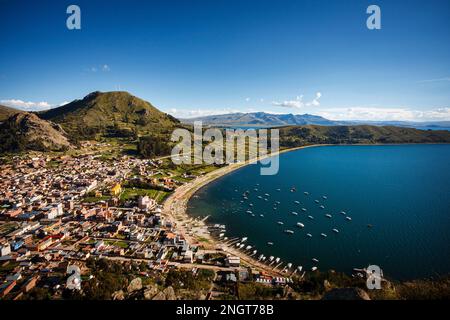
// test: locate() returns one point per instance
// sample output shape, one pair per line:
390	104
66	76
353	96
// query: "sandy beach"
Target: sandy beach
195	231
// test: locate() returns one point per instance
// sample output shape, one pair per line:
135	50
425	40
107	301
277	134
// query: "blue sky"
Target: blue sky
214	56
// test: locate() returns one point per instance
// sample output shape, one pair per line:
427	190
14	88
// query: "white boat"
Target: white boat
336	230
226	238
343	213
249	211
299	268
261	215
259	197
294	213
328	215
300	225
248	247
280	223
241	246
270	243
244	239
238	244
251	204
304	209
325	197
311	217
277	260
221	235
316	201
271	258
267	195
289	265
322	207
313	268
309	235
306	193
315	260
278	190
323	235
348	218
297	202
255	252
289	231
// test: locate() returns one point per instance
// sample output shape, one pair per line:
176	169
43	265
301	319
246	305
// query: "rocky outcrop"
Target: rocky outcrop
135	285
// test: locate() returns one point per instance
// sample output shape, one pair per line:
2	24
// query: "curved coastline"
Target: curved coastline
195	231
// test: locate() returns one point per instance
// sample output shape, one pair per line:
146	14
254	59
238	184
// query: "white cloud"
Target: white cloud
298	103
247	99
26	105
200	112
106	68
385	114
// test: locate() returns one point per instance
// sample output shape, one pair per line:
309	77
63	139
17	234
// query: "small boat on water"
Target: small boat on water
254	252
299	268
336	230
343	213
241	246
306	193
259	197
249	211
289	231
322	207
251	204
277	260
280	223
244	239
325	197
348	218
270	243
314	269
293	189
289	265
315	260
316	201
279	190
253	215
328	215
304	209
238	244
271	258
267	195
300	225
309	235
311	217
261	215
297	202
323	235
248	247
260	257
294	213
226	238
277	202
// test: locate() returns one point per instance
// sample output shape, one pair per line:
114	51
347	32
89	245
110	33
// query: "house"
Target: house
5	249
188	256
233	262
116	190
146	203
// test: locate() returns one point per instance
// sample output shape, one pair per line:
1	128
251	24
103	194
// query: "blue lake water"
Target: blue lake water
402	191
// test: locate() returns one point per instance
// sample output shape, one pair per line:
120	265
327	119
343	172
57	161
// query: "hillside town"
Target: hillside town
64	211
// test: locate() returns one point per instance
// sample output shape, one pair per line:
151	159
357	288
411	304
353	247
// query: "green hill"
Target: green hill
114	114
294	136
6	112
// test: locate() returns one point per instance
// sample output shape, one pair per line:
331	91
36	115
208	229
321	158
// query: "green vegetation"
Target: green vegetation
110	114
306	135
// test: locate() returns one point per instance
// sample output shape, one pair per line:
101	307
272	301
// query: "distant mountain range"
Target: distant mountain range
263	119
121	115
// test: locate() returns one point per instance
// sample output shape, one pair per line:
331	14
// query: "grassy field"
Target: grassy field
133	193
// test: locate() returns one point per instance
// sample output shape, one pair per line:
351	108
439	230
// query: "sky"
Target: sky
193	58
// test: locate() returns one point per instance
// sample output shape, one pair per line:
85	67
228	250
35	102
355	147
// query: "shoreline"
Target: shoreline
196	232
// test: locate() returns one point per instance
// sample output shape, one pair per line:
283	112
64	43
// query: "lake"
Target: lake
398	198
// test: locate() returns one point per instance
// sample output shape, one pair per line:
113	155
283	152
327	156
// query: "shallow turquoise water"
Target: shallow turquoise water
403	191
